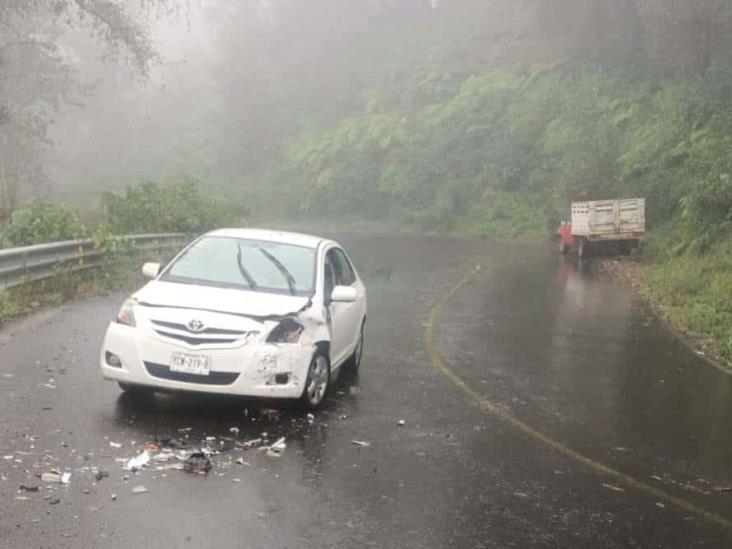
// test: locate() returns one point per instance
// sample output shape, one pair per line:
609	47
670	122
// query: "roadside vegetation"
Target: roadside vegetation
182	207
466	117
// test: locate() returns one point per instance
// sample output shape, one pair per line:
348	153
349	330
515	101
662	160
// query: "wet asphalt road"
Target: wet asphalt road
575	359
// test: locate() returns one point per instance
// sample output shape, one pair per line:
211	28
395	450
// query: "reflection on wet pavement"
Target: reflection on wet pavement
571	355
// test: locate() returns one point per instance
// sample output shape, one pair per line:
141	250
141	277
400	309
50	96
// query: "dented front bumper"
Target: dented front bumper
268	370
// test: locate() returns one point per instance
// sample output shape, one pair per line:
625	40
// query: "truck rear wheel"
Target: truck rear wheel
582	248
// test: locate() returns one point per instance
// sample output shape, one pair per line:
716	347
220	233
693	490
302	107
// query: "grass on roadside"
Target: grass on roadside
120	271
695	291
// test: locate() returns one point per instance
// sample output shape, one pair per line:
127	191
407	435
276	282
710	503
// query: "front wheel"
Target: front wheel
317	381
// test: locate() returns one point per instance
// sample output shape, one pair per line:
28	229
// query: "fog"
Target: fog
423	114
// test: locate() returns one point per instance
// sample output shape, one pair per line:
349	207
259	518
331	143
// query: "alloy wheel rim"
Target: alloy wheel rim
318	380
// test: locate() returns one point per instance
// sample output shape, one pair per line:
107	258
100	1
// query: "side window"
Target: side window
330	277
347	276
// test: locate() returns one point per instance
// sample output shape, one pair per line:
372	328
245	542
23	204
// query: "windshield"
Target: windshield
248	264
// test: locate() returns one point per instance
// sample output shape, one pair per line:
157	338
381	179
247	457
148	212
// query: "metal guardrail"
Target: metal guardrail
32	263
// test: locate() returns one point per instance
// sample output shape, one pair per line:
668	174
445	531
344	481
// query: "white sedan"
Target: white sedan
242	312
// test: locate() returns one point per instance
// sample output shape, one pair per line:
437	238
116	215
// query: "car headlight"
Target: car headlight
126	313
287	331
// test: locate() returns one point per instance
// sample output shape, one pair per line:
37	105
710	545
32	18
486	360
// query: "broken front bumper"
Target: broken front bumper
256	369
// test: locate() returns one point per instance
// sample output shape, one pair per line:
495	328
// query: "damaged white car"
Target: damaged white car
242	312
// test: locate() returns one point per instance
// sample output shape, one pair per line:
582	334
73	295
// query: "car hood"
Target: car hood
222	300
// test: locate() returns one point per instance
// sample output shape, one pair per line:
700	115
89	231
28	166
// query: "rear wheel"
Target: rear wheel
317	381
582	248
354	362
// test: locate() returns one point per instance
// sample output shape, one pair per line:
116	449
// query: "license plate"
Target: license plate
190	364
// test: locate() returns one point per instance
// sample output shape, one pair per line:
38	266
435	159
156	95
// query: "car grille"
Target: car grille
208	336
213	378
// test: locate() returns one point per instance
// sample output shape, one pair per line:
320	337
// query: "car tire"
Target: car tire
317	382
354	361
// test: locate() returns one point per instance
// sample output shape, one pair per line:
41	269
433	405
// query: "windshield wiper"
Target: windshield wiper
281	268
252	283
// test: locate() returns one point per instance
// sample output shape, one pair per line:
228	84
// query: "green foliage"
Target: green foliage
696	290
181	206
41	222
8	306
504	152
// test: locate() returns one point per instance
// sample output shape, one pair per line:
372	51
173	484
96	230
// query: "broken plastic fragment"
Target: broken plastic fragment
250	443
138	462
56	477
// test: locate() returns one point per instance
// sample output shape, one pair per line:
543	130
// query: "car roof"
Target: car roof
283	237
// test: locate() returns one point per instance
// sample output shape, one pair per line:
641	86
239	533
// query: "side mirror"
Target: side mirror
344	294
151	270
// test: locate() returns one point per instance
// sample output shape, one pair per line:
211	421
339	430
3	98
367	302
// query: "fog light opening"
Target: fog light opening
112	360
282	379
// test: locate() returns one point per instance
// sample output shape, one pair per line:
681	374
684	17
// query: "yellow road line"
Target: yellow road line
488	406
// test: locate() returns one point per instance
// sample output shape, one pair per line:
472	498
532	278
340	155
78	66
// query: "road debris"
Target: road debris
240	461
661	505
28	488
172	443
138	462
56	477
250	443
115	444
101	474
234	431
139	490
614	488
54	501
361	443
114	497
401	423
197	462
276	449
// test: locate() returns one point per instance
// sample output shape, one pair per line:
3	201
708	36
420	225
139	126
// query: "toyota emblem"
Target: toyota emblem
196	326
